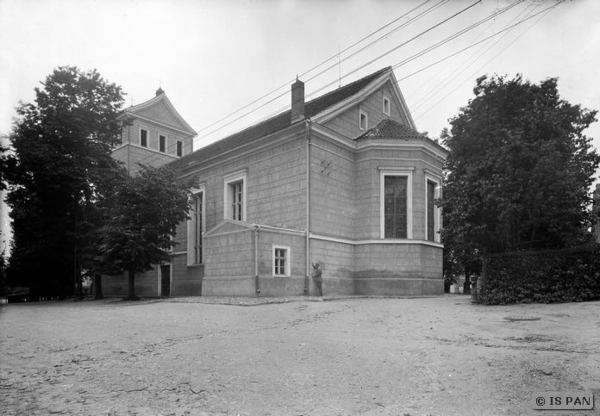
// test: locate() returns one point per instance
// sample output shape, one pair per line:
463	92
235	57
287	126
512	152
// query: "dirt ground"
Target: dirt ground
371	356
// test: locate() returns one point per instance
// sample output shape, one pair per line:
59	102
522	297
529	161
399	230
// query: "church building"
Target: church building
342	186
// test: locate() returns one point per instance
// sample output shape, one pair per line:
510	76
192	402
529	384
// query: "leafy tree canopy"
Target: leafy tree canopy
519	170
61	161
140	219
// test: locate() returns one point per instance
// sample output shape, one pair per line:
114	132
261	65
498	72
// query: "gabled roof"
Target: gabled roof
391	129
279	122
160	109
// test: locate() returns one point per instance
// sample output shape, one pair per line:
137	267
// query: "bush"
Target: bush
542	277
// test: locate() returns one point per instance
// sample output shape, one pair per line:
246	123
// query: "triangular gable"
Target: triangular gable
315	107
161	110
228	226
387	77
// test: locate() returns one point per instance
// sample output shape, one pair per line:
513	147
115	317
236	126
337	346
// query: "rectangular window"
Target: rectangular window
179	148
196	228
162	143
363	120
396	200
236	200
235	196
430	211
433	219
281	261
396	204
143	138
386	106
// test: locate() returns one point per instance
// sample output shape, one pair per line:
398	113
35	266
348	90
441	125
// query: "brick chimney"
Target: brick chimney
297	101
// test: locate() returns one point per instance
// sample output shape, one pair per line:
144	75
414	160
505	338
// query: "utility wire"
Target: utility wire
404	43
495	14
456	35
286	92
317	66
373	60
412	57
431	79
546	11
381	38
470	61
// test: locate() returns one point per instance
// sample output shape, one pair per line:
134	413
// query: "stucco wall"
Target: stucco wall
231	263
332	189
398	269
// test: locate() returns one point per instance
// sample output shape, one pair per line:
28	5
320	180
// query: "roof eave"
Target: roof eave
344	105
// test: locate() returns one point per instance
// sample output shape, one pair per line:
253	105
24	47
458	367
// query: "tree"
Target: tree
61	157
140	219
519	170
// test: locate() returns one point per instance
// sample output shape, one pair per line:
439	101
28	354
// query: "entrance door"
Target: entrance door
165	280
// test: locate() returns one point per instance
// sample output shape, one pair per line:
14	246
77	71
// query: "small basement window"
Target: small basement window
281	261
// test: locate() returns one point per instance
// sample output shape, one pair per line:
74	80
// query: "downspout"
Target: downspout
128	146
307	275
256	278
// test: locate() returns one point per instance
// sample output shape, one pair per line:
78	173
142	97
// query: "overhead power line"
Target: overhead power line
485	46
544	12
413	57
319	65
359	68
421	53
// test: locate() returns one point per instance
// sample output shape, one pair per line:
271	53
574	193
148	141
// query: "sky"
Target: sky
213	57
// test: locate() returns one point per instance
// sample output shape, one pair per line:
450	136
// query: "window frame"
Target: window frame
192	229
362	113
179	149
408	173
287	258
162	146
437	211
387	100
229	182
142	139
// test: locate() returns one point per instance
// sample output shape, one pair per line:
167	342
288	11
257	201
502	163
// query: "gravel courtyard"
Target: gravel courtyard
373	356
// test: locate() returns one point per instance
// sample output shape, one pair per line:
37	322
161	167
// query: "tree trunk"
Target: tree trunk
98	286
132	295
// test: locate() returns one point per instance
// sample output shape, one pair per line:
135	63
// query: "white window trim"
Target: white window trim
190	225
437	212
166	143
391	171
389	105
288	261
361	113
147	138
227	181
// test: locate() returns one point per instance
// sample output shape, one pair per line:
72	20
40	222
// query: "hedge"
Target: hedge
541	277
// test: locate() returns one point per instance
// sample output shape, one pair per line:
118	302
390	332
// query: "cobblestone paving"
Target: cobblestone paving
292	356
